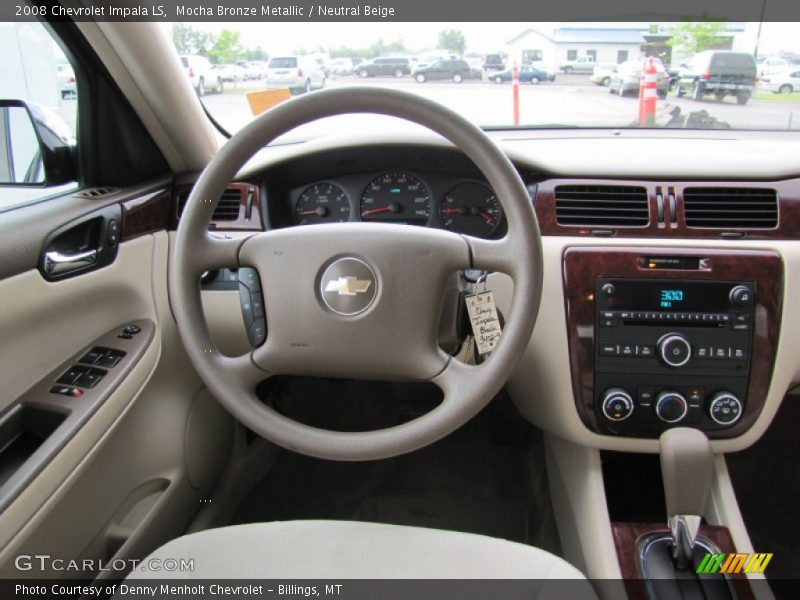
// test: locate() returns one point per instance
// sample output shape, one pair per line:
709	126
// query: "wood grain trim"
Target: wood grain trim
248	193
626	539
144	215
582	265
788	192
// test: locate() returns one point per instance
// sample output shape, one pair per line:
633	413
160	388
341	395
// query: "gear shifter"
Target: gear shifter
686	466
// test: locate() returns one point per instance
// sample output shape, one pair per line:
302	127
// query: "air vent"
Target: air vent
227	209
602	205
739	208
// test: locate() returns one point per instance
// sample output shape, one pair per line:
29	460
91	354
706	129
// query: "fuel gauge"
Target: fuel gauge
471	208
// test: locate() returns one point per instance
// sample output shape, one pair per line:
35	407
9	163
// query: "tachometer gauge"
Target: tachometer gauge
322	203
396	197
471	208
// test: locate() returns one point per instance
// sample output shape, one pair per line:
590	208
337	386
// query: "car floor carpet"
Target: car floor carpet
488	477
766	478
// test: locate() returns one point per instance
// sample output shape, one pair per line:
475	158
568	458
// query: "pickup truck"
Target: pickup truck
582	64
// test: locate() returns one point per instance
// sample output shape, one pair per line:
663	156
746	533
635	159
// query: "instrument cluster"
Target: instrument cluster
465	206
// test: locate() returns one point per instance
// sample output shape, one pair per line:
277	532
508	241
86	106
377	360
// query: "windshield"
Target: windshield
510	75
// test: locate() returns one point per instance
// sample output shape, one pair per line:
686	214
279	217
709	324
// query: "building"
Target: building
553	47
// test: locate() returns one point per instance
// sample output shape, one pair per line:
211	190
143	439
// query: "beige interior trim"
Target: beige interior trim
578	495
541	385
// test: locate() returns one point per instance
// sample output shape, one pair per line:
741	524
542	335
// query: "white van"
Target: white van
298	73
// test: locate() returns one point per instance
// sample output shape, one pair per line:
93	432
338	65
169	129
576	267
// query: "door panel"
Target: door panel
120	485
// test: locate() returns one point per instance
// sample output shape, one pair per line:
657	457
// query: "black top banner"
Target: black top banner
400	10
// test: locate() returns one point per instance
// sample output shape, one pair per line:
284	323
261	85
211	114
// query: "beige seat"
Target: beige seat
356	550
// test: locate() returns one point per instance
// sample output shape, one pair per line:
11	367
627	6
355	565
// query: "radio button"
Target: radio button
609	350
703	352
740	326
739	353
721	352
628	350
674	349
646	351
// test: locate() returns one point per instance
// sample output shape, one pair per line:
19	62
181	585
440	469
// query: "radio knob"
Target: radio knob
617	404
671	407
674	349
725	408
741	296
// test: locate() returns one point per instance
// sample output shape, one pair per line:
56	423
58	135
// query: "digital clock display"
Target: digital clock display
670	297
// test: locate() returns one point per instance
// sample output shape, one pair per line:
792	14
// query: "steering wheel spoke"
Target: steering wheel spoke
215	252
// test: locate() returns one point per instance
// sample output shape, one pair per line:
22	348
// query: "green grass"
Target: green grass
762	96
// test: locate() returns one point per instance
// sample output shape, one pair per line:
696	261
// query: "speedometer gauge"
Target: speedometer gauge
471	208
396	197
322	203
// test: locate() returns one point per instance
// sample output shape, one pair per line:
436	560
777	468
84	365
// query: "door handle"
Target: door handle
56	263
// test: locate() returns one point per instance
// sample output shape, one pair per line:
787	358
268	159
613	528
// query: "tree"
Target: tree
227	47
697	37
189	40
452	40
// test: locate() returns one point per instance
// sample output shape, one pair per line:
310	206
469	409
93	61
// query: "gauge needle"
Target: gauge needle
487	217
306	213
373	211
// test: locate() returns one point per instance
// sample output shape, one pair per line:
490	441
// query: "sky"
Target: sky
284	38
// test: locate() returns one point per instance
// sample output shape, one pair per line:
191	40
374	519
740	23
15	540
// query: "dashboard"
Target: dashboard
581	378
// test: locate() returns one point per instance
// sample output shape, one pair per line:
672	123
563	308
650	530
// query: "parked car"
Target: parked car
231	73
256	69
385	66
202	74
66	82
455	69
719	73
527	74
582	64
298	73
341	66
629	75
494	62
784	82
602	73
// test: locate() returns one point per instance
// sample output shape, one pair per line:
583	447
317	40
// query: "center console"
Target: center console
662	338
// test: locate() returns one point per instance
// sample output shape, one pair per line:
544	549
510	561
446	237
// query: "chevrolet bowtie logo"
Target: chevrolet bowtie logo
348	286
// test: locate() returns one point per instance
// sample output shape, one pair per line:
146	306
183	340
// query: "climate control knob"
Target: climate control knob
674	349
617	404
725	408
671	407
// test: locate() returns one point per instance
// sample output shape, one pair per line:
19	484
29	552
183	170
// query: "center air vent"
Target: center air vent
602	205
752	208
227	209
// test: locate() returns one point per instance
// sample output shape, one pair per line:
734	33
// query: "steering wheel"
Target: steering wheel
389	280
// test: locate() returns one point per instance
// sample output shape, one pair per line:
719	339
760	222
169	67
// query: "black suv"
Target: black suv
720	74
378	67
454	69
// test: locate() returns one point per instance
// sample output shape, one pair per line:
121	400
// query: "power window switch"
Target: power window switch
92	356
66	390
71	376
108	361
91	378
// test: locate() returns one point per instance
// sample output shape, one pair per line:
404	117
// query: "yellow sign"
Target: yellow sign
265	99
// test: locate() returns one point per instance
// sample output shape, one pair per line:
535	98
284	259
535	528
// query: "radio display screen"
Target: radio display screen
665	295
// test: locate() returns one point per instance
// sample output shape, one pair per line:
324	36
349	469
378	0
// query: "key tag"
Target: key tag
484	321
